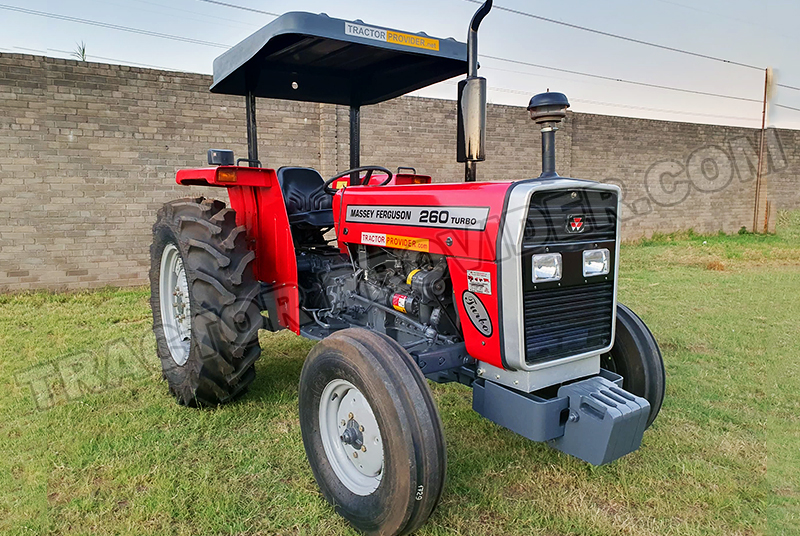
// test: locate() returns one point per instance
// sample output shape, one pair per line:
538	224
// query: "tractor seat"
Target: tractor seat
307	203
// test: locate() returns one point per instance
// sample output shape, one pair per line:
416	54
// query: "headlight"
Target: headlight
547	267
596	262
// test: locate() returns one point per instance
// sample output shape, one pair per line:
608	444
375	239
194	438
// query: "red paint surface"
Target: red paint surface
465	243
486	349
401	179
245	176
259	206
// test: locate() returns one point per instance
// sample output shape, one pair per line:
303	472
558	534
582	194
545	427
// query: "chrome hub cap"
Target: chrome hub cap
351	437
176	314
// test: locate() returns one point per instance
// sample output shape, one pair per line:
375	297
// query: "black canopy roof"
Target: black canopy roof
316	58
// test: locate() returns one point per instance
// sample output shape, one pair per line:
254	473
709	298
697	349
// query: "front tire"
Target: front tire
637	358
372	432
204	298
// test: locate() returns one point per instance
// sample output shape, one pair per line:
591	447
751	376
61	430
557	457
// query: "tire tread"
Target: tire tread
223	288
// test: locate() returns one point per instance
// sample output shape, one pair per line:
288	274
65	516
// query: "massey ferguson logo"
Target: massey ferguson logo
576	223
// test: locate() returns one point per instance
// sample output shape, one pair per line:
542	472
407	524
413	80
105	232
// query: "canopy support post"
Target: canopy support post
252	134
355	142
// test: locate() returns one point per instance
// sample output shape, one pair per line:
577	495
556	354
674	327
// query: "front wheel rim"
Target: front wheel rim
176	312
351	437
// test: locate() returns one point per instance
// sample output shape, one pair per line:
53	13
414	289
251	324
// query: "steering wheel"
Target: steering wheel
363	182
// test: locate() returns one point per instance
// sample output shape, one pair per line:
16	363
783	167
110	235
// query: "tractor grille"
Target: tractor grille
560	322
575	317
547	218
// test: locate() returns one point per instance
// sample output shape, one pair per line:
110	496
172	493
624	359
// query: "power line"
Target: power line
770	28
243	8
624	81
219	45
663	110
112	26
504	90
592	30
786	107
632	107
70	52
136	64
643	108
32	50
621	37
514	71
195	15
643	84
714	13
215	18
500	89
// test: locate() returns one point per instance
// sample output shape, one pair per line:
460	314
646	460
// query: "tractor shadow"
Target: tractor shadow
278	369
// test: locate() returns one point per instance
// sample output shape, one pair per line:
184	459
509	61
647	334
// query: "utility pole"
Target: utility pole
768	81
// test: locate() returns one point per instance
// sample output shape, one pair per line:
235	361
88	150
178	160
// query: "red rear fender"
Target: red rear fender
227	176
258	201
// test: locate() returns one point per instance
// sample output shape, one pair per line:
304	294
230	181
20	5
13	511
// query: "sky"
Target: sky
760	34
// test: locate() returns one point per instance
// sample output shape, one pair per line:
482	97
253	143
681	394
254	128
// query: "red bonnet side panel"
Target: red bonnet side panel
438	218
475	293
460	220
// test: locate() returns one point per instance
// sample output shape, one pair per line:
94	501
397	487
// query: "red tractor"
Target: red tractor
509	288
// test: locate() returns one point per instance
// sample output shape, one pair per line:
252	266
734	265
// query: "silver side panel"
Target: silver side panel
512	313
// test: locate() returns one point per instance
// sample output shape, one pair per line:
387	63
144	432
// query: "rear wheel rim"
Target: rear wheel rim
351	437
176	313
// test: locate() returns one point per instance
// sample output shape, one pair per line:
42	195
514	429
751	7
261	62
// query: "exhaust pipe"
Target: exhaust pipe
472	38
472	104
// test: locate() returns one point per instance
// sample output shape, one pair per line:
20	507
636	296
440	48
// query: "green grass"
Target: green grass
109	452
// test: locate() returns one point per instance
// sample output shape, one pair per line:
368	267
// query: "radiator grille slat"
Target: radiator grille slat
567	321
570	311
580	319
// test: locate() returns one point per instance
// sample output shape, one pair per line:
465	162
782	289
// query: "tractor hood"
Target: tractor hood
460	220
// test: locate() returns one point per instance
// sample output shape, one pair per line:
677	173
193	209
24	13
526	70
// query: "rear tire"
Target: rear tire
637	358
207	329
370	375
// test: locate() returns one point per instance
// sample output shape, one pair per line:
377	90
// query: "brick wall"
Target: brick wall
88	152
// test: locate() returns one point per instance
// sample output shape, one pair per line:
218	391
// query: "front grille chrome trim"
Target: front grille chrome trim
511	277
